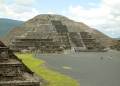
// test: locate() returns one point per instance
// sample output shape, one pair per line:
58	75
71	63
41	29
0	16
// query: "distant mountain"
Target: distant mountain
8	24
117	38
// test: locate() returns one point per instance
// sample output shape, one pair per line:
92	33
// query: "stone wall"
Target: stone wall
13	72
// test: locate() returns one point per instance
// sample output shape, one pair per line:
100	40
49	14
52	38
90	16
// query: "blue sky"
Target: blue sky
103	15
62	4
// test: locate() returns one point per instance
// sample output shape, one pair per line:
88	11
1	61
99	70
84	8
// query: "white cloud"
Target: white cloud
19	9
106	17
1	1
21	15
92	4
50	12
24	2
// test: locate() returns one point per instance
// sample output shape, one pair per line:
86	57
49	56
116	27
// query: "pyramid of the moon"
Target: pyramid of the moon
54	33
13	72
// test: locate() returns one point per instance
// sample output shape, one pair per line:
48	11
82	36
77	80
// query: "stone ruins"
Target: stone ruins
13	72
54	37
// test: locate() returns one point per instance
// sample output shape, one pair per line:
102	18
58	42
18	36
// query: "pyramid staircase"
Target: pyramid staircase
62	33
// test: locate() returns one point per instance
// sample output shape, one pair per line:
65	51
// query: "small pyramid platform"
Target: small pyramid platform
13	72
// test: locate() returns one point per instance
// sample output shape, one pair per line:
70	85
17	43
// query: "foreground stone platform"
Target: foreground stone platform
13	72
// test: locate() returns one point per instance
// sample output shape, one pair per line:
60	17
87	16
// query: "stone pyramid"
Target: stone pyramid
54	33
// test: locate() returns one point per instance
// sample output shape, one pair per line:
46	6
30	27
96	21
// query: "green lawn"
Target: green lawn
52	77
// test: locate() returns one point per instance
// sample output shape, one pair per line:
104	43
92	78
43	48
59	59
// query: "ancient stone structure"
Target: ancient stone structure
116	46
56	34
83	41
13	72
30	42
55	42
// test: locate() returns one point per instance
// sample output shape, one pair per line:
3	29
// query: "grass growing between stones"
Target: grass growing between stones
53	78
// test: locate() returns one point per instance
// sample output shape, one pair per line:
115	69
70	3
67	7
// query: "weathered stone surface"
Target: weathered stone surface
57	30
13	72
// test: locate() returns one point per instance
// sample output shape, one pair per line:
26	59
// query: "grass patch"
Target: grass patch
53	78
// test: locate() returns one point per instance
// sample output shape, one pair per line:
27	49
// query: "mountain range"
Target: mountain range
8	24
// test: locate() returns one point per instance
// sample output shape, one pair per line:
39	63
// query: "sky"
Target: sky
103	15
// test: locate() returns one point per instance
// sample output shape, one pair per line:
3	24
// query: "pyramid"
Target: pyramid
13	72
56	33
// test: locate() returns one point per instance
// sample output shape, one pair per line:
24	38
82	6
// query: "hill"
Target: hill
8	24
117	38
58	32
